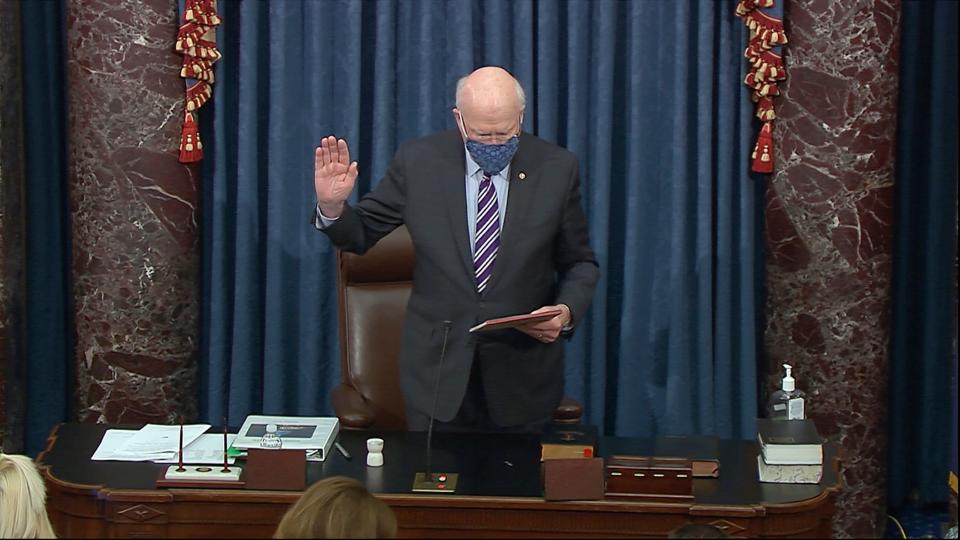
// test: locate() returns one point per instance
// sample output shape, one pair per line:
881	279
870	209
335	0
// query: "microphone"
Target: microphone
429	481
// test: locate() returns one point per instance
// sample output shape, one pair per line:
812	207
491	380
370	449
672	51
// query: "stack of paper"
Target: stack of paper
161	444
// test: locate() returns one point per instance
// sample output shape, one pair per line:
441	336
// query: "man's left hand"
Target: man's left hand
549	330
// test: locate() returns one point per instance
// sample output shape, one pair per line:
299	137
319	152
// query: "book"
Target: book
702	451
568	441
312	434
515	320
789	442
788	474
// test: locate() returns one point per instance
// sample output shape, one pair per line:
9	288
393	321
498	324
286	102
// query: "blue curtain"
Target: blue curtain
48	372
924	332
649	95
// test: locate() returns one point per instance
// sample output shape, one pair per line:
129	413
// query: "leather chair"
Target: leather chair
372	294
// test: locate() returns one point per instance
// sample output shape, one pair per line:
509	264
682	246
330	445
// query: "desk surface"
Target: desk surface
496	472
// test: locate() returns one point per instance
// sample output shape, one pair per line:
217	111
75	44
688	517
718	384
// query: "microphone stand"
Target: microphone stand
428	481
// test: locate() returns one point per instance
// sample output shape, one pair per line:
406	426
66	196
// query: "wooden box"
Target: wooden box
276	469
576	479
650	478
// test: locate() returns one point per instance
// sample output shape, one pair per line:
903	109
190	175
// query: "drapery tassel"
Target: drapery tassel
197	95
197	42
770	67
763	151
204	49
197	68
206	13
746	6
768	30
188	36
191	150
761	88
766	69
765	110
202	12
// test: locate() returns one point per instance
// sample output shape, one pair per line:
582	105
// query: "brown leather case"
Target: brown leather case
706	468
645	477
276	469
576	479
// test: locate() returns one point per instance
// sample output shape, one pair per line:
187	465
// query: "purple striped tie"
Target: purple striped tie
488	232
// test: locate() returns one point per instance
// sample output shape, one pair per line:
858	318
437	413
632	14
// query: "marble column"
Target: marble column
134	214
11	230
829	227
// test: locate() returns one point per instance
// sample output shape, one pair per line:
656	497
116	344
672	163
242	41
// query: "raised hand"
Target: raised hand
333	175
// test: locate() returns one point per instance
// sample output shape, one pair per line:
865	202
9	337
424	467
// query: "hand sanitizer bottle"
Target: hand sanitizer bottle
270	439
786	403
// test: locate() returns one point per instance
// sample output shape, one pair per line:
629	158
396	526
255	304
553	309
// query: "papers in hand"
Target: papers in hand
515	320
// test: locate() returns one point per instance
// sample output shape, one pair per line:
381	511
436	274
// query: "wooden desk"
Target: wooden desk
499	494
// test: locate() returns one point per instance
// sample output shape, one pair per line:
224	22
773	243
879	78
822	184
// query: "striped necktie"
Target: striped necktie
488	232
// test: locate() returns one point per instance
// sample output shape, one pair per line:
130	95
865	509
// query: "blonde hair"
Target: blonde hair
23	499
338	507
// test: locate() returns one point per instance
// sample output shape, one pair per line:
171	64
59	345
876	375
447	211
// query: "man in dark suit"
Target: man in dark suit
498	229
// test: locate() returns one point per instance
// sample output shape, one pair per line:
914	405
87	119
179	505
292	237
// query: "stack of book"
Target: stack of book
791	451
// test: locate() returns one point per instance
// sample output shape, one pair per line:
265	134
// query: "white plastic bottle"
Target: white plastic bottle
270	439
788	402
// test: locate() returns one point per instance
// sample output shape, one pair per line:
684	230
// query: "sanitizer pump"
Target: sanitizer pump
787	402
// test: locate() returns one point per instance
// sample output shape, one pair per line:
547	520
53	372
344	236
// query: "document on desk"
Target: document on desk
207	448
160	440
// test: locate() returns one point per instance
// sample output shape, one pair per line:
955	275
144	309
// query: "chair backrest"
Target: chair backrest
373	290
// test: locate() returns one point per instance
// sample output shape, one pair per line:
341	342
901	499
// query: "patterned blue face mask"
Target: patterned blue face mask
492	158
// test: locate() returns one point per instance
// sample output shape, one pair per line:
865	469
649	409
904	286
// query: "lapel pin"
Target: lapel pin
522	175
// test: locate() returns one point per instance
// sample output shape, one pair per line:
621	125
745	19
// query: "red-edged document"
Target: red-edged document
515	320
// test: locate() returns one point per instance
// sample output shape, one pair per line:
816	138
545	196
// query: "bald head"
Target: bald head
491	89
490	104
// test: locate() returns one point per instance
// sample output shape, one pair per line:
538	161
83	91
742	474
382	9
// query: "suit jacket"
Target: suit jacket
544	258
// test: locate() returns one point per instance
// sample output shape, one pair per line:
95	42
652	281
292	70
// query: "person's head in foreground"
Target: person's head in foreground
338	507
23	499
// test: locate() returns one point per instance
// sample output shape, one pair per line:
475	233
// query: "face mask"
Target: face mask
492	158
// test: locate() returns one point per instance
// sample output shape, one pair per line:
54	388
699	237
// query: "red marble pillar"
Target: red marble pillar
133	212
829	228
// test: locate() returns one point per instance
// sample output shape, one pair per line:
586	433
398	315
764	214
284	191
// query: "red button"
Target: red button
441	486
442	478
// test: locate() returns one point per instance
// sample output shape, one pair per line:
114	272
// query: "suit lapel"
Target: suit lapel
521	194
452	176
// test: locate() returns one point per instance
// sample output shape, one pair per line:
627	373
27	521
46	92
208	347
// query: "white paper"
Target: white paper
207	448
157	440
112	440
